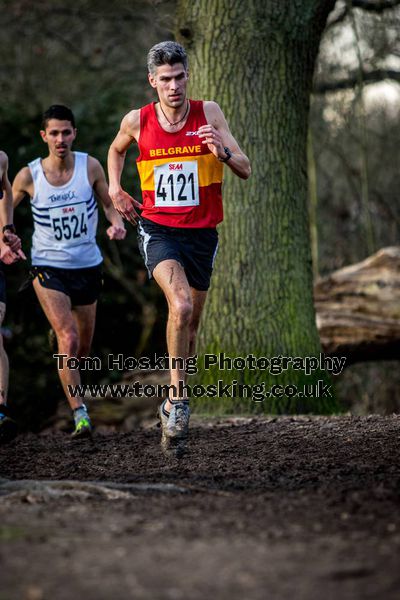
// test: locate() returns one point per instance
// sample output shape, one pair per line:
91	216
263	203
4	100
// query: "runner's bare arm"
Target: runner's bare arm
22	186
6	209
127	135
98	181
10	243
217	135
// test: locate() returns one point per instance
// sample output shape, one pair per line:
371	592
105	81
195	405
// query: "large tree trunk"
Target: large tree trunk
358	309
256	59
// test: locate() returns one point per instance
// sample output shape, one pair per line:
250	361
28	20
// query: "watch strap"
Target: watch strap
228	155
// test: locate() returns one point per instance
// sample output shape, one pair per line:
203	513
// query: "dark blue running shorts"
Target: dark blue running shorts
195	249
83	286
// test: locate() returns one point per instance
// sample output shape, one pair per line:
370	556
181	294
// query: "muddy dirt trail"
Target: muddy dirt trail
287	508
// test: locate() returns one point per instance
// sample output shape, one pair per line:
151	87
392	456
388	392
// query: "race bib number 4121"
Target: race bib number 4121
176	184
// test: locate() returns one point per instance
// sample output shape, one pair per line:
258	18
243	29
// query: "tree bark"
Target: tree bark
358	309
256	59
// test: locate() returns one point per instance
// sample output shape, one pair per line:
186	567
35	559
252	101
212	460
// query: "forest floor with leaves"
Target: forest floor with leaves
280	508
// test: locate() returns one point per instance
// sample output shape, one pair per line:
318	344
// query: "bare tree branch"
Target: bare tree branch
377	7
353	79
339	19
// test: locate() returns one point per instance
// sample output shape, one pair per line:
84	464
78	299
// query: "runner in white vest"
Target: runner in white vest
66	261
65	219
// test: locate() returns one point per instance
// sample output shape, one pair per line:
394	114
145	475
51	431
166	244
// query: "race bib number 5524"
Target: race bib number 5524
70	223
176	184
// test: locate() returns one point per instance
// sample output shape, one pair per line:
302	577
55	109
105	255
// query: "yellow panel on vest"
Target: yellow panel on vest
210	169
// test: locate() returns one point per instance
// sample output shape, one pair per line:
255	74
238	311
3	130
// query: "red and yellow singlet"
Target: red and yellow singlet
180	178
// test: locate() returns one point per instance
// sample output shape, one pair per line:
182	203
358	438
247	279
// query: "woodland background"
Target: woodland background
92	57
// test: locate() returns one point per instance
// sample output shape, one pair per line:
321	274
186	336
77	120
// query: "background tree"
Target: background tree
258	60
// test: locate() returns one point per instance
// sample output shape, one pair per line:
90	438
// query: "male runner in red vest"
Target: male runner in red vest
183	145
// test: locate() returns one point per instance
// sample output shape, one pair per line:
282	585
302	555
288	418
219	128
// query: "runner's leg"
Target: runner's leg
57	308
8	427
4	369
171	277
85	319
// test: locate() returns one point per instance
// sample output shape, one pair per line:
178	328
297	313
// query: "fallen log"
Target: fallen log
358	309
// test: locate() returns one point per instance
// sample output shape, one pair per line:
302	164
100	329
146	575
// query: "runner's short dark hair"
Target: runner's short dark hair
60	112
166	53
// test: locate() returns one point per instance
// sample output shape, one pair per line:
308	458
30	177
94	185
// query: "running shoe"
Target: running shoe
8	427
163	416
178	421
174	428
83	428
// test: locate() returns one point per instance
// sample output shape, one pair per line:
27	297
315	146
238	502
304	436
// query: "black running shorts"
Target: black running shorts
2	286
83	286
195	249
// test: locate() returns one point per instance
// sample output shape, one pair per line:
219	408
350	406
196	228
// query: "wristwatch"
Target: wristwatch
10	228
228	155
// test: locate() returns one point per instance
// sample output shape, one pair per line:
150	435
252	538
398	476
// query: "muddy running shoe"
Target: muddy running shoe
83	426
174	427
8	427
163	415
178	421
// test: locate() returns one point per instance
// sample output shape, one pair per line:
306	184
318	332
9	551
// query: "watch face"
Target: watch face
228	153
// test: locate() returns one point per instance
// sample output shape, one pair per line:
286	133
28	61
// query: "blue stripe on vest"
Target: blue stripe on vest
92	212
38	208
41	223
39	215
90	203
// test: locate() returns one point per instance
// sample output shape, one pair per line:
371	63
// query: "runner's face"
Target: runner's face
59	135
170	81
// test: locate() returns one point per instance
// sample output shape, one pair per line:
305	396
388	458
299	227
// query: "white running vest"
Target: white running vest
65	219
